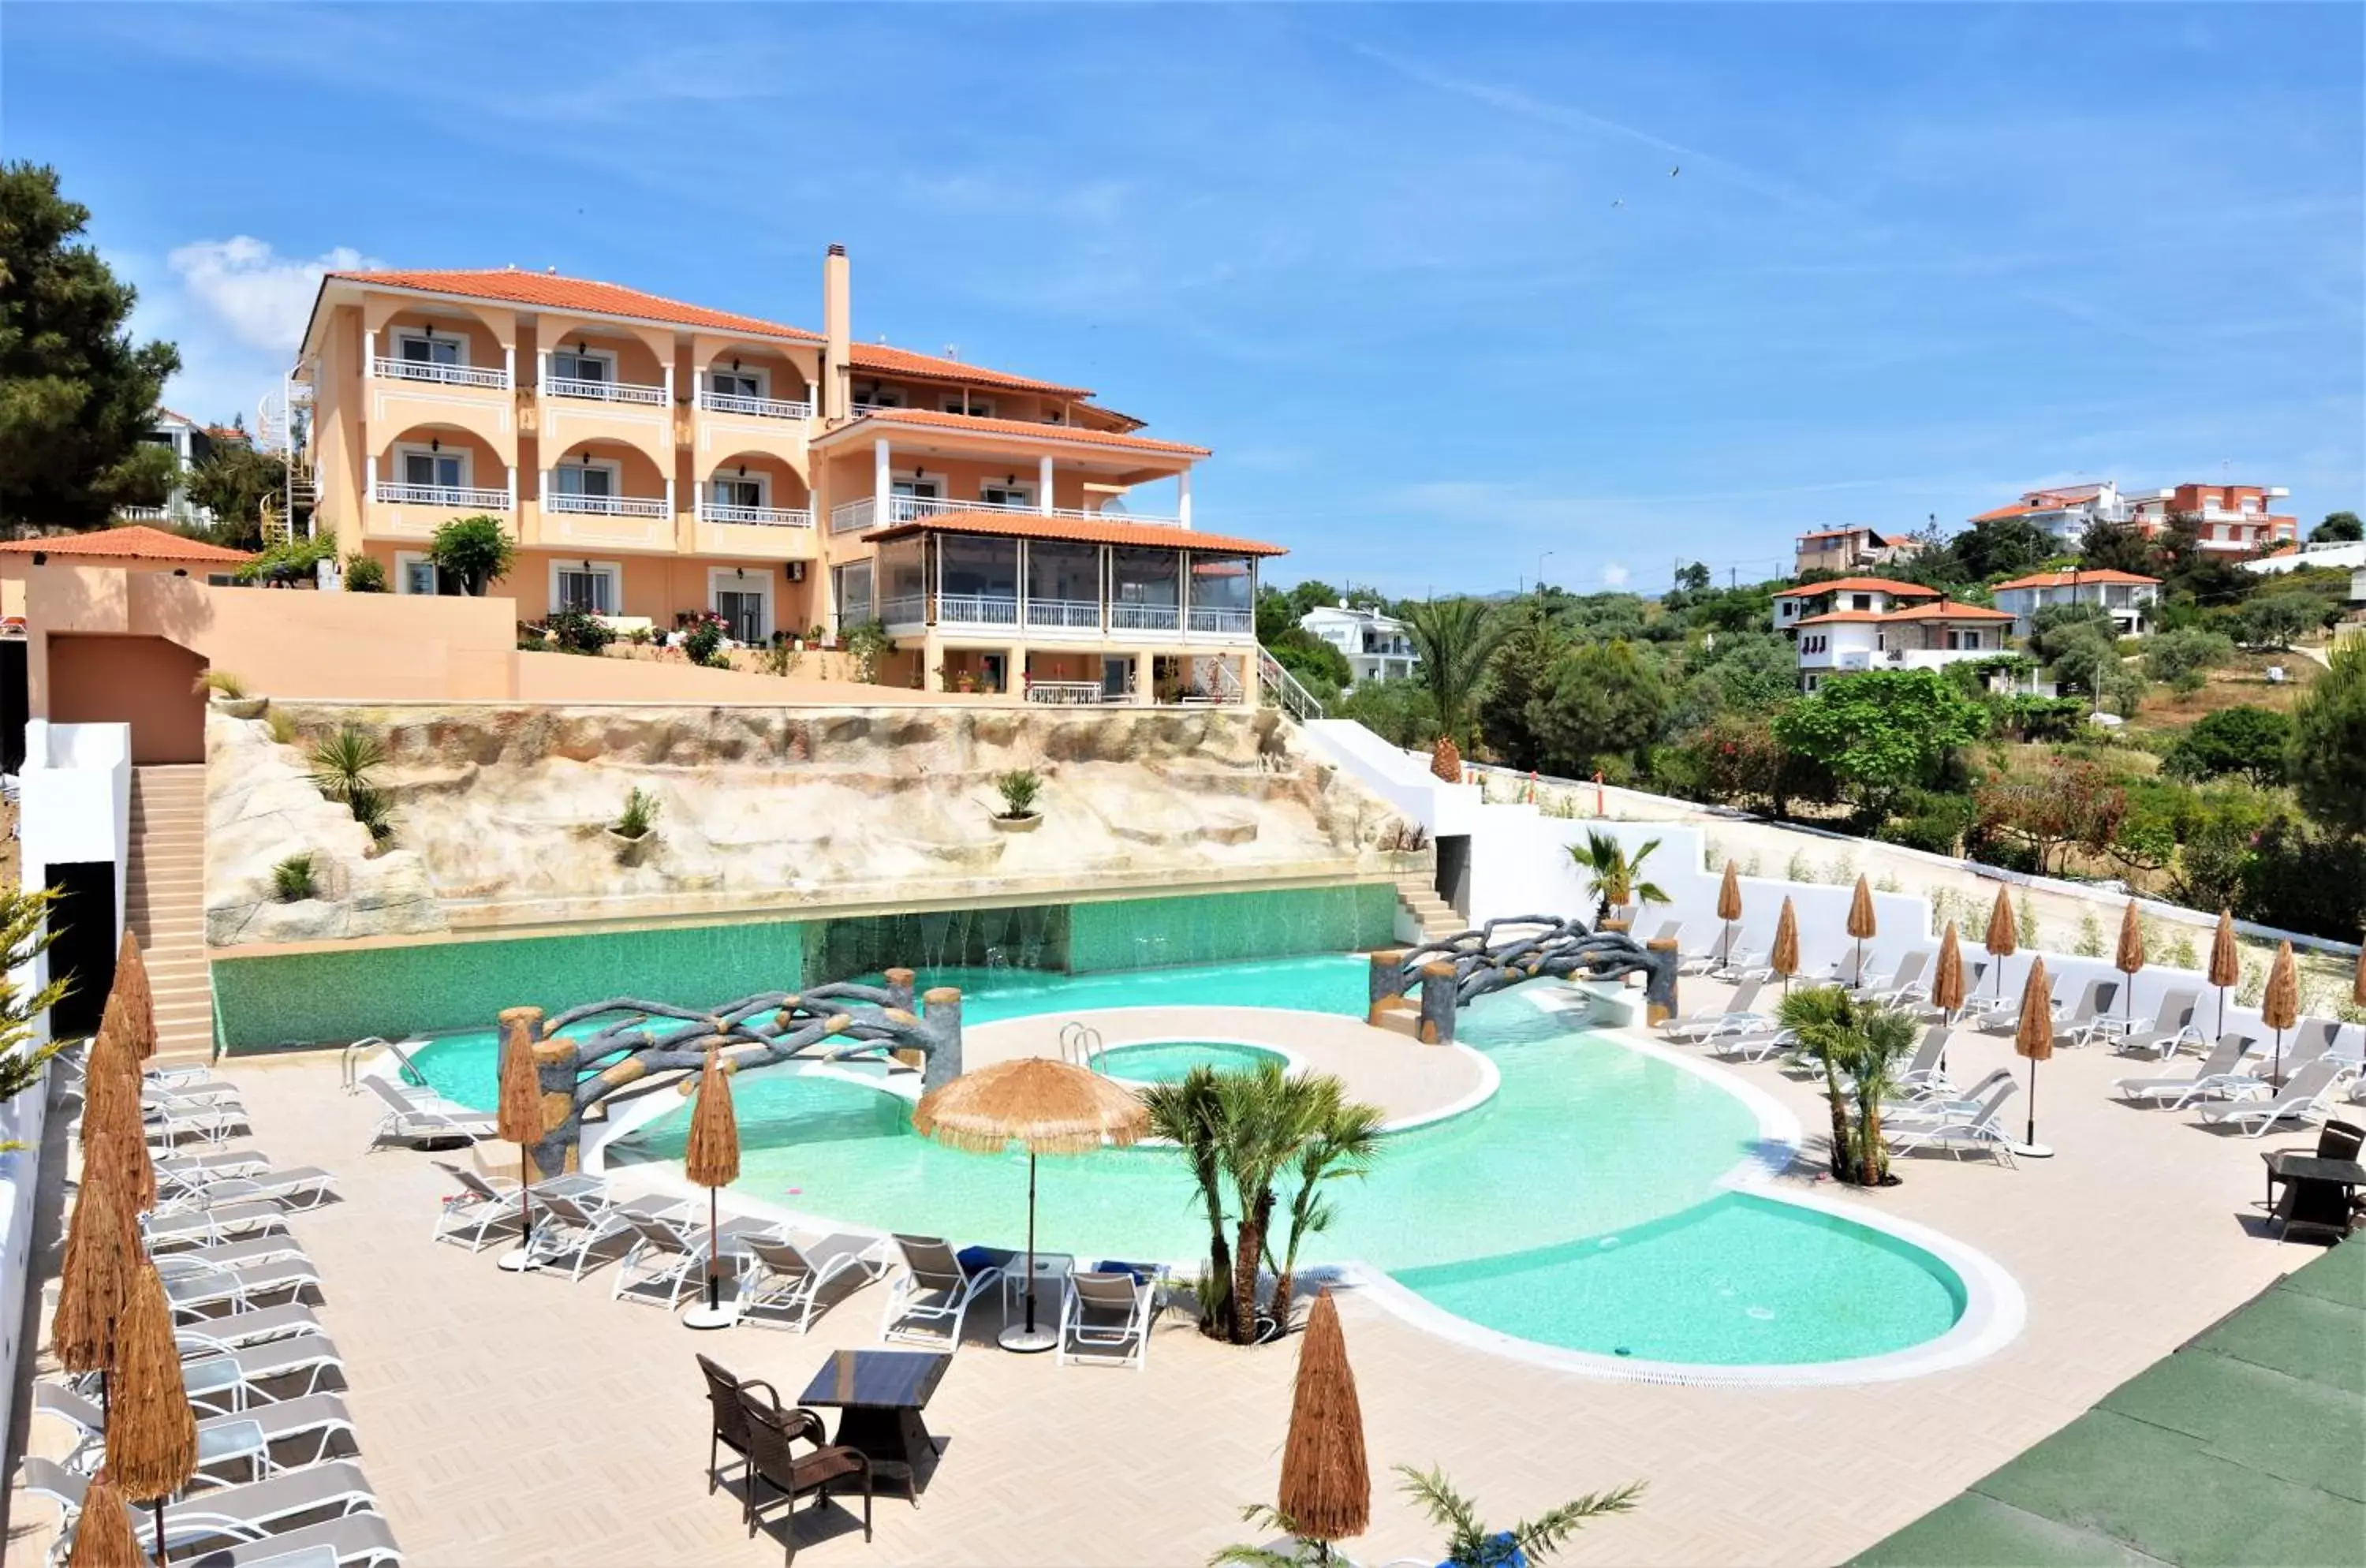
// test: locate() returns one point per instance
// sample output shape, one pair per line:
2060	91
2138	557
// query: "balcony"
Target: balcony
860	516
439	374
1063	614
1223	623
756	516
754	407
455	498
1145	617
604	391
976	609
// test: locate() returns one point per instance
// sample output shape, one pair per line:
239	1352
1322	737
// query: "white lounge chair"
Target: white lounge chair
667	1258
782	1281
169	1126
222	1383
1752	1045
413	1119
1735	1016
1901	985
2220	1075
235	1331
2174	1014
927	1302
212	1228
233	1514
2298	1099
303	1186
1978	1126
1941	1106
570	1228
210	1163
356	1540
1105	1318
295	1431
212	1292
1922	1076
228	1255
2088	1018
479	1210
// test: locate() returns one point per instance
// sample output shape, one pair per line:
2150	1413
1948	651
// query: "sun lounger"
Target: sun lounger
304	1186
228	1255
75	1064
2088	1017
2298	1099
472	1215
239	1329
2220	1075
1105	1317
1901	985
212	1228
210	1292
1941	1106
216	1092
220	1382
928	1300
667	1258
1752	1045
568	1229
782	1281
295	1431
356	1541
232	1515
170	1127
1978	1126
2175	1014
413	1119
1922	1076
211	1164
1734	1017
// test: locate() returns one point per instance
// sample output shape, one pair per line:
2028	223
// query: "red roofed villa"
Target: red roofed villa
2128	597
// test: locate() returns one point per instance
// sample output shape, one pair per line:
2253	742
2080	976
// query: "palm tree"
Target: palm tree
1886	1036
1859	1047
1615	875
1267	1118
1470	1545
1822	1017
1187	1112
1454	637
1347	1140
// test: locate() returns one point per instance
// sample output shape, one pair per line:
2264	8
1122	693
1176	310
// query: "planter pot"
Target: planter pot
1026	824
631	851
241	707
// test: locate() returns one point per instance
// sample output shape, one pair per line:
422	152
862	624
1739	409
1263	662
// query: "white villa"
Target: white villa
1376	645
2128	597
1923	637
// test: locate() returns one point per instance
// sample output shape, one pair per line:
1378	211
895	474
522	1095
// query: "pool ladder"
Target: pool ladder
1080	1044
347	1071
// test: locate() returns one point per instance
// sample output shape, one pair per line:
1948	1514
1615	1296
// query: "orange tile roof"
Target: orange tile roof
1860	585
2067	579
931	418
1942	611
883	359
1830	616
137	542
1076	530
548	292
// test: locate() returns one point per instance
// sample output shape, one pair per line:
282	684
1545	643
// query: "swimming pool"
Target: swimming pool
1580	1207
1165	1061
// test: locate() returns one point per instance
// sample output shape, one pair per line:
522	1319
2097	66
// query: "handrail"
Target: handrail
454	496
1286	688
350	1081
602	391
387	369
1080	1043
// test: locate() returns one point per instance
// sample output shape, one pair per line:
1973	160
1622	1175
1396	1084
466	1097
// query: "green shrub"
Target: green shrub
1930	821
573	631
292	881
867	645
364	575
2252	741
476	550
1019	789
374	810
343	763
639	815
294	562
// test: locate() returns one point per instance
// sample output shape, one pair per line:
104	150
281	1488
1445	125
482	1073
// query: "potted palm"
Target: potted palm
1615	876
634	828
1019	788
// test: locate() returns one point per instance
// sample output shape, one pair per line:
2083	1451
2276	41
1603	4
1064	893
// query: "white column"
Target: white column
882	477
543	491
541	369
369	354
370	478
670	499
813	397
1022	589
509	366
513	488
669	386
1043	485
697	393
1183	498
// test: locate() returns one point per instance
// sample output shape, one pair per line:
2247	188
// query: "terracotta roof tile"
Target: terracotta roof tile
932	419
1076	530
1946	612
2066	578
1830	616
137	542
548	292
886	360
1860	585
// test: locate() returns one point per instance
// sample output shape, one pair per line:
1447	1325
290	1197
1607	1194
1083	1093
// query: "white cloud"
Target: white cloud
1615	575
262	296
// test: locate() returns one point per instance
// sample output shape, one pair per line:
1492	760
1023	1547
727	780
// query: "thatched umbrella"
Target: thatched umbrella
2129	959
1327	1487
102	1253
2002	939
152	1433
2279	1008
2225	962
1728	905
1784	959
518	1115
1947	985
139	997
104	1536
2035	1040
1047	1106
713	1162
1861	922
113	1126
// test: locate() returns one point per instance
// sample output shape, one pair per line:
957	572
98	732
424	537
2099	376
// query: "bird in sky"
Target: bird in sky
1620	201
1674	172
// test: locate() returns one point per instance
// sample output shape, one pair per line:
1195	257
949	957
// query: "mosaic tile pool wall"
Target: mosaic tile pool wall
304	998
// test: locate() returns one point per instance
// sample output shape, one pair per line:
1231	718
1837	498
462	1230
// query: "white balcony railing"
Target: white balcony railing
758	516
903	609
1067	692
1145	617
976	609
1068	615
605	505
760	408
468	498
439	374
604	391
851	516
1223	623
856	516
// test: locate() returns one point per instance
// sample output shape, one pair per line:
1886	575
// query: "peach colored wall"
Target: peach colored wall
144	681
17	570
639	474
637	357
488	466
568	678
959	478
484	347
786	487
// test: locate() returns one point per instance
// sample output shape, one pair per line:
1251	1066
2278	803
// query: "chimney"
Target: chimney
836	323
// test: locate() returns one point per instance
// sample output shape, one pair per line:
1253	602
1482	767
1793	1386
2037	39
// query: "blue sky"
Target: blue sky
1422	278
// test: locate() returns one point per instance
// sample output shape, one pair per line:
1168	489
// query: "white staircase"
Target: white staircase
165	905
1433	914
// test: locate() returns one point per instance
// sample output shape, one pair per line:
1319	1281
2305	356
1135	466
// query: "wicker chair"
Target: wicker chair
730	1424
772	1433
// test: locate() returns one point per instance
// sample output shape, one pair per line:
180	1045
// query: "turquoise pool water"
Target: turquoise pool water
1578	1207
1166	1061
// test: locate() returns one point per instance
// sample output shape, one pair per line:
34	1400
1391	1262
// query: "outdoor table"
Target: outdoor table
1051	1271
2299	1165
879	1395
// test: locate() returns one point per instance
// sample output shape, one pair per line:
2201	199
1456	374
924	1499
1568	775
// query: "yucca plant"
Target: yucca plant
639	815
374	810
1019	788
292	880
343	762
1616	876
1470	1545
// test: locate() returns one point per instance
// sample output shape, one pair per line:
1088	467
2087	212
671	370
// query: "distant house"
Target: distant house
1921	636
191	443
2346	555
2129	597
2066	512
1845	549
2233	520
1376	645
1861	595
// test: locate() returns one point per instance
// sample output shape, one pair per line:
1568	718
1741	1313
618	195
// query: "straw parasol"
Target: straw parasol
713	1162
518	1116
152	1433
114	1131
2002	939
1947	985
2225	962
1728	905
1047	1106
104	1536
2129	959
139	997
102	1251
1326	1488
2034	1037
1784	959
1860	923
2279	1008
